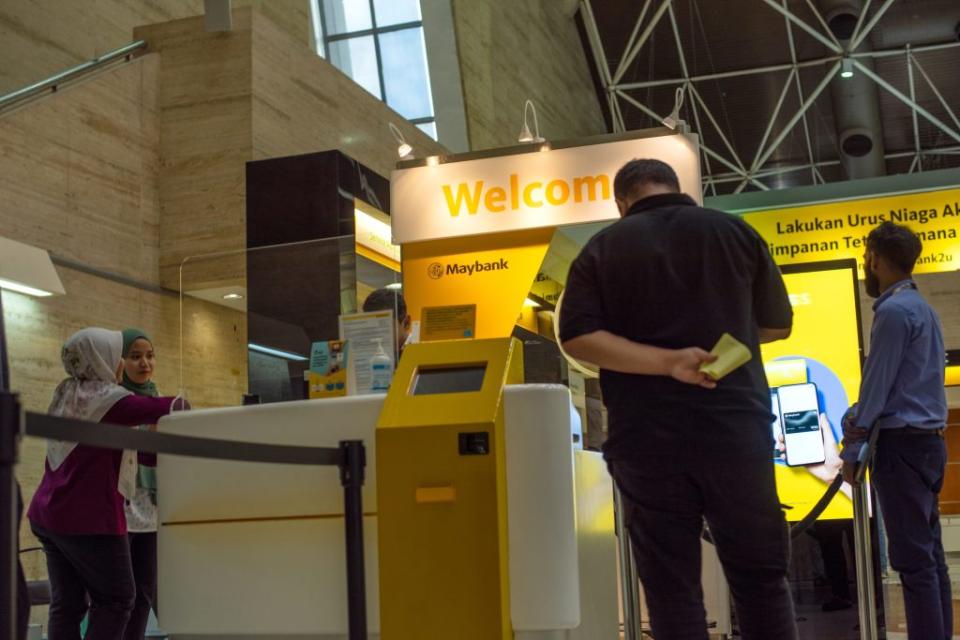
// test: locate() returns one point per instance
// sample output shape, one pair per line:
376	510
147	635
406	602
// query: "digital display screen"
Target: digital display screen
435	381
801	422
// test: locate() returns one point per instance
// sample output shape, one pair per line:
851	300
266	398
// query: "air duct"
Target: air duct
918	23
856	105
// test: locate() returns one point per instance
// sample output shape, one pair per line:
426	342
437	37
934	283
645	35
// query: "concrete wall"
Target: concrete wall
511	50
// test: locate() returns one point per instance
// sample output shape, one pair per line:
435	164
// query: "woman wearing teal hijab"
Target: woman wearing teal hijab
141	511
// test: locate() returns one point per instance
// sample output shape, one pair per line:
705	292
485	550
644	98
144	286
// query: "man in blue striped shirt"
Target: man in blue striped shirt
903	395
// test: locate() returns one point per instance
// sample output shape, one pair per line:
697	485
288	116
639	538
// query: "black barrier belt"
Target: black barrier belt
802	525
109	436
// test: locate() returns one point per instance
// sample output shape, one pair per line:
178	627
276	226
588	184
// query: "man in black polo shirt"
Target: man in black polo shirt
644	301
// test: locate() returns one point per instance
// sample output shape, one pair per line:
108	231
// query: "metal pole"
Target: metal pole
906	100
823	23
9	515
633	35
9	437
629	582
866	589
803	25
913	112
773	120
631	55
861	36
351	477
803	109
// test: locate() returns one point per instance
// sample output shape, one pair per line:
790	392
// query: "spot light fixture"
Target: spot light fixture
404	150
846	68
525	135
673	120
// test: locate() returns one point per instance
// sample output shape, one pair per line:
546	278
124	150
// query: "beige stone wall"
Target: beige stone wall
79	172
38	38
79	176
227	98
302	103
511	50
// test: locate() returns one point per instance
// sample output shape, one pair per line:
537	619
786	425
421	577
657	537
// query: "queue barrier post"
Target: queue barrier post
349	457
10	421
863	551
629	580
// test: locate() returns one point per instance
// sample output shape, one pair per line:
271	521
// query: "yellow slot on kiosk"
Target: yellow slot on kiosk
441	482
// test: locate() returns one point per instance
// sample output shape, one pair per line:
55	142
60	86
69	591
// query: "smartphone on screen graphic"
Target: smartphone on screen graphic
800	420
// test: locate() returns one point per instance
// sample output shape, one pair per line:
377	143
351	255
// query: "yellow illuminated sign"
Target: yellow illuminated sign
555	192
372	232
496	278
838	230
823	349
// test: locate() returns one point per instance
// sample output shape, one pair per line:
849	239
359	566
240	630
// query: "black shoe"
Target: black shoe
836	604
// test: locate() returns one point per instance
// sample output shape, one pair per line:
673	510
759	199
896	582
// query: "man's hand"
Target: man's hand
851	432
685	367
850	473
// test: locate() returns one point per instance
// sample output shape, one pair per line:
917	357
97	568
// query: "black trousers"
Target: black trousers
908	474
829	535
667	500
79	567
143	555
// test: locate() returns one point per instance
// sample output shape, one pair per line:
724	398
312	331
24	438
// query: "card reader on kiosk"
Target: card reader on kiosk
441	482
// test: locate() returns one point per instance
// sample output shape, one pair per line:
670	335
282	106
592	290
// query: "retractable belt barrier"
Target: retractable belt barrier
349	456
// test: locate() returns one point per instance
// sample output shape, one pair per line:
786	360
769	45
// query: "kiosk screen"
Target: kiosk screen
439	380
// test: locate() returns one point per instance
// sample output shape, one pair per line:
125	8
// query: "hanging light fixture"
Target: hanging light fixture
846	68
404	150
525	135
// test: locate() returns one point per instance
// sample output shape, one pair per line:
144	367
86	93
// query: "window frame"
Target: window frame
375	32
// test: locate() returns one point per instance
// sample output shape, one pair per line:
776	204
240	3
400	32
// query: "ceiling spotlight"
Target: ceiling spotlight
673	120
846	68
525	135
404	150
233	296
395	286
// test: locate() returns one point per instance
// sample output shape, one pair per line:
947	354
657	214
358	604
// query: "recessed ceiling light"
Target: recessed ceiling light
233	296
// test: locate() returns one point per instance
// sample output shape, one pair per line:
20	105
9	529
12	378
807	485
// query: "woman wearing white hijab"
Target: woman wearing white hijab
77	512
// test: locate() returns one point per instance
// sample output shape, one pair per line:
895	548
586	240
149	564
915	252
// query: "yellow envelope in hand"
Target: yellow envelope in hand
731	354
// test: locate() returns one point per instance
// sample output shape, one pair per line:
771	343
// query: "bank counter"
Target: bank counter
483	519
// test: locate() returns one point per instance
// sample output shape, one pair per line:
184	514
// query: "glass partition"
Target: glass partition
272	304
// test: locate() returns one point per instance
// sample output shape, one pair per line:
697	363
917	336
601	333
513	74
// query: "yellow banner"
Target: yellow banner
838	230
495	278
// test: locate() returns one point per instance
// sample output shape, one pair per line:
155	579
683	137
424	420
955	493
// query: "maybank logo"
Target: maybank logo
436	270
533	195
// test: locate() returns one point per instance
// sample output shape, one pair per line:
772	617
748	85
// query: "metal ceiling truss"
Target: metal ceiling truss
617	91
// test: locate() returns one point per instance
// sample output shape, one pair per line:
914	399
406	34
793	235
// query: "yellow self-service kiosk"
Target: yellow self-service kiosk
441	481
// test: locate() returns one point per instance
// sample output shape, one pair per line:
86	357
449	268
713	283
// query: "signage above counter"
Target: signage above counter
549	187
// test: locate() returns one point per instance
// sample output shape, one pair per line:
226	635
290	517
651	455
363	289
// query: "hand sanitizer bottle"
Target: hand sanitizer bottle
381	369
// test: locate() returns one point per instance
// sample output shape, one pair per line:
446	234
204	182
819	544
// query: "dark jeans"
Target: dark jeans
666	502
143	554
79	567
829	535
908	474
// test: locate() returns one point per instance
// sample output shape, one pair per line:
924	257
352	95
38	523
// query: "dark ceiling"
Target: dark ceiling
727	35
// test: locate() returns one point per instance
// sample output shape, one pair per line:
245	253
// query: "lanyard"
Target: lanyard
904	286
